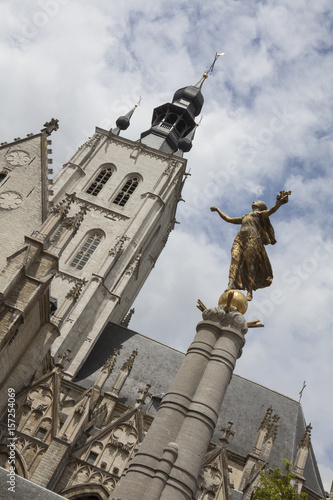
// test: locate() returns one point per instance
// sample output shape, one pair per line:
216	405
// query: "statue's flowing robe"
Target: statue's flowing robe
250	267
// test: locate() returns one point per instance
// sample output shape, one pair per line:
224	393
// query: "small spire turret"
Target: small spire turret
123	122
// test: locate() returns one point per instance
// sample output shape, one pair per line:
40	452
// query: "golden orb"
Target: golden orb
238	300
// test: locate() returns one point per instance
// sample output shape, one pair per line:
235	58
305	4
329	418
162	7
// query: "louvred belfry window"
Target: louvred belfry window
126	191
102	178
87	249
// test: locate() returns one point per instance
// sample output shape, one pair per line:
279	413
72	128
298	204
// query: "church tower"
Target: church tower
130	191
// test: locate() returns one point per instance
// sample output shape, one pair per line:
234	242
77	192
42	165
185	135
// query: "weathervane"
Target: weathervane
211	67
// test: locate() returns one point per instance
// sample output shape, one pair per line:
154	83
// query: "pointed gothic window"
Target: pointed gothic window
86	250
101	179
126	191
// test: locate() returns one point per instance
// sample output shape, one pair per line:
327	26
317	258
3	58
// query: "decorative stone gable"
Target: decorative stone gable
102	453
24	187
36	423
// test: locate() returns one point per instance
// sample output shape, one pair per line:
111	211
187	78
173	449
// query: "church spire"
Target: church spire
173	124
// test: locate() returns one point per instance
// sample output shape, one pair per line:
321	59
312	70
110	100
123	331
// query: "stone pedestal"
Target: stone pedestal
168	462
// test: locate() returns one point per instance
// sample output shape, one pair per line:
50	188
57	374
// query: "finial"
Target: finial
123	122
111	361
50	126
129	363
125	322
209	71
144	394
267	419
211	67
306	439
227	432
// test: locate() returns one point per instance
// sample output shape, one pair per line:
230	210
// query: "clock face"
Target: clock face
10	200
18	158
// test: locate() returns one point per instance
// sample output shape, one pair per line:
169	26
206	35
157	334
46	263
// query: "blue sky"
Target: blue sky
267	126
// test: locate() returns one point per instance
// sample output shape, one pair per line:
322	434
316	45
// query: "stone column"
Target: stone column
188	414
198	427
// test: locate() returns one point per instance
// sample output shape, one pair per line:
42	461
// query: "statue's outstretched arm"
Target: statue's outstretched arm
281	199
232	220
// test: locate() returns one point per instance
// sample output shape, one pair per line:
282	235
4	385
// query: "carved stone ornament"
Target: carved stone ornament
111	361
128	365
306	439
272	429
50	126
18	158
75	221
10	200
92	141
75	292
267	419
144	394
63	207
232	319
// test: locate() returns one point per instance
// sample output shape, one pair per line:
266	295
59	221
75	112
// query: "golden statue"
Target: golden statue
250	267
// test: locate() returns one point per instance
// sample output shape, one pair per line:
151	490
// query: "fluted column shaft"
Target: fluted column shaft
198	427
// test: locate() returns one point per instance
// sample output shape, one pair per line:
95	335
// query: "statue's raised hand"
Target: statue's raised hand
282	197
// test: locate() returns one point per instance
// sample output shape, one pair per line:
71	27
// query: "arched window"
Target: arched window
87	249
126	191
101	179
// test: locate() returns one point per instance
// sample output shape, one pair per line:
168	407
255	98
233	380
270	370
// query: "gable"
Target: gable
23	190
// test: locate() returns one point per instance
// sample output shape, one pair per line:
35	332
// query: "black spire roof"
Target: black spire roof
174	122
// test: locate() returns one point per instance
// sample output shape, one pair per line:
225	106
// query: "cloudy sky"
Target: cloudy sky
266	126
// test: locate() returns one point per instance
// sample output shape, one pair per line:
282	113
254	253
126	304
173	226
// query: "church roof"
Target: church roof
245	402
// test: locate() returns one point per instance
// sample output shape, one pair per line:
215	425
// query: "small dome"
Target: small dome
191	94
185	144
123	122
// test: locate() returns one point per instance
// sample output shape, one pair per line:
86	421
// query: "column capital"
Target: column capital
231	319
